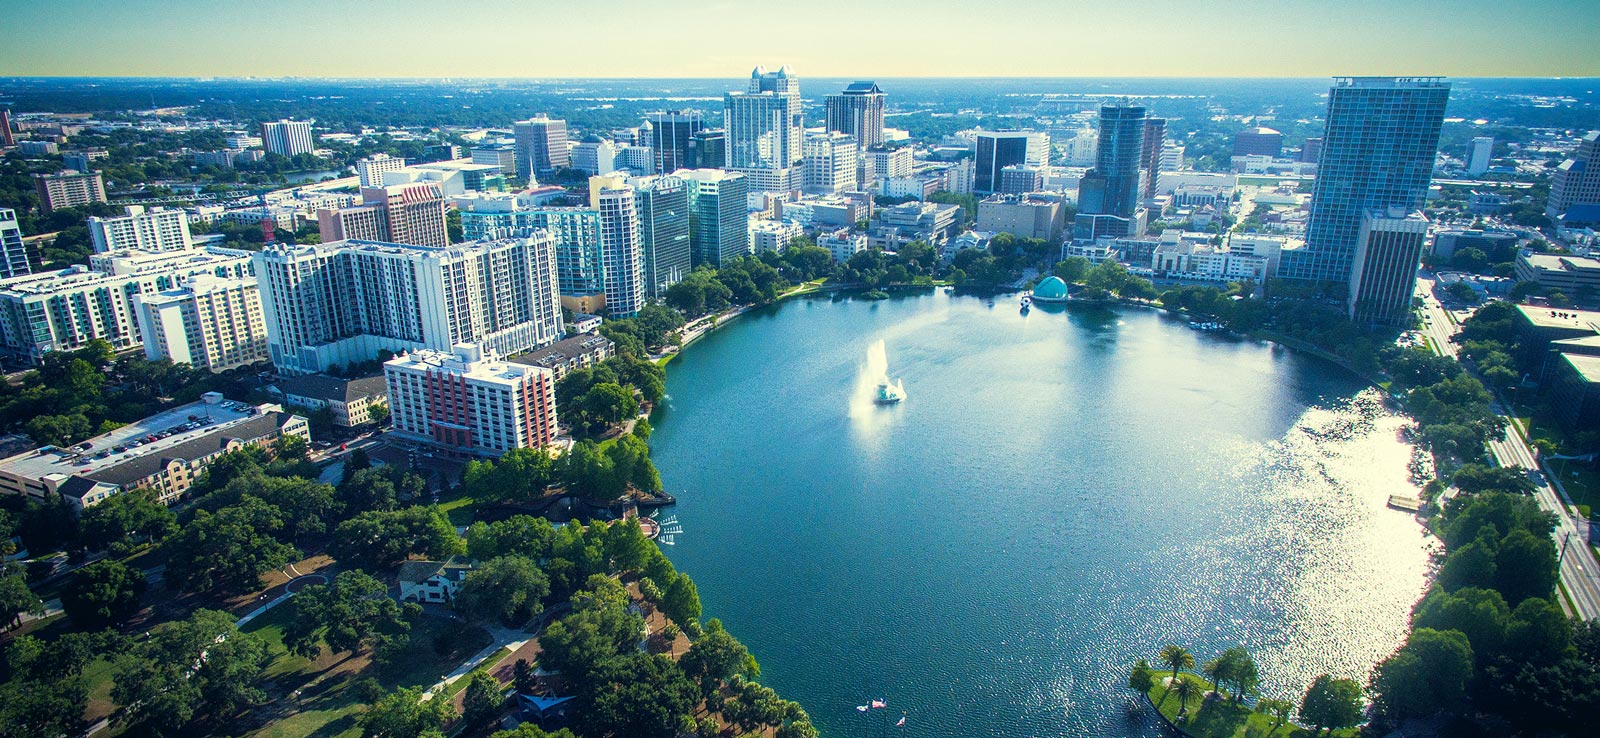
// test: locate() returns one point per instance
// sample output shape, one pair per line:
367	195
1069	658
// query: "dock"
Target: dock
1403	502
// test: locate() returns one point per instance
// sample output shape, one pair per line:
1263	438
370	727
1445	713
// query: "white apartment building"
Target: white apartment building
209	323
842	243
341	302
13	251
830	163
887	163
371	169
621	256
156	229
773	235
287	137
468	403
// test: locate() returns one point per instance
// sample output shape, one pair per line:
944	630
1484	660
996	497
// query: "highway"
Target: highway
1580	572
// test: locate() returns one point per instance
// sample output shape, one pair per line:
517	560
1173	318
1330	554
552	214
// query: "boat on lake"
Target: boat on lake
889	393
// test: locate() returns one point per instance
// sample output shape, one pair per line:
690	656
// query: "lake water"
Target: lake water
1058	494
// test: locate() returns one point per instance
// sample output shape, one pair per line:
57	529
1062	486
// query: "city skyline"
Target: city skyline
143	38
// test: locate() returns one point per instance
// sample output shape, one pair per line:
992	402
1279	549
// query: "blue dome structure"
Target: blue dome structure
1050	289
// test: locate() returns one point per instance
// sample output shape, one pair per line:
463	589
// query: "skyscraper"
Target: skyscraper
541	146
155	229
286	137
13	252
663	231
719	218
411	214
1258	141
6	138
1155	141
831	160
1479	153
997	150
1379	143
670	134
1388	249
1577	180
68	189
622	264
708	149
765	129
1110	196
858	112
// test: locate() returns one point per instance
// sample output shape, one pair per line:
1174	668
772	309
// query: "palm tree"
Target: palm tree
1217	671
1185	690
1177	657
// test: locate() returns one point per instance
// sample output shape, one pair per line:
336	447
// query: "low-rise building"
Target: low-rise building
1559	271
1575	391
582	351
842	243
350	401
163	453
469	405
773	235
432	582
914	221
1033	215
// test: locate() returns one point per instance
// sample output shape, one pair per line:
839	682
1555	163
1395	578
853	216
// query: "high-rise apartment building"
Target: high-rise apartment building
287	137
541	146
1111	195
997	150
580	266
622	260
68	189
888	163
671	133
369	171
155	229
6	137
719	215
1379	142
411	214
336	303
1389	247
1155	141
1576	181
1479	154
765	129
858	112
468	403
663	231
13	250
831	161
209	323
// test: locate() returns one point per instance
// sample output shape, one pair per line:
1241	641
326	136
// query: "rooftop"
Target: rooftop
1588	367
465	362
333	389
1560	262
143	465
1544	317
568	348
100	453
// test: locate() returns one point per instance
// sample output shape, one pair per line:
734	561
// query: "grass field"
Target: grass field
1219	718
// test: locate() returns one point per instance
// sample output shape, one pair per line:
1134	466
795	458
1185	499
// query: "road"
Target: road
1580	572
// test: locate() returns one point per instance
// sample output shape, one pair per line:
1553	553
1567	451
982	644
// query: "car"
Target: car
119	449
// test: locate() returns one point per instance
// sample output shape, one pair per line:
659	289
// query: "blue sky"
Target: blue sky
819	38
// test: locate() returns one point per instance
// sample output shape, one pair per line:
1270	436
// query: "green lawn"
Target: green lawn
459	506
1218	718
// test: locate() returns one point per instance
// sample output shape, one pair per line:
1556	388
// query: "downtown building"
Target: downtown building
663	203
621	257
857	111
13	250
287	137
156	229
719	215
370	171
997	150
1379	145
541	147
831	163
670	135
765	131
68	189
575	234
208	322
411	214
1575	185
337	303
469	403
1111	195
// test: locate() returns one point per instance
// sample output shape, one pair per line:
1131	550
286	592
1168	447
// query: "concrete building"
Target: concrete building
914	221
156	229
664	236
1559	272
773	235
541	147
1311	150
671	133
164	453
342	302
1480	153
1111	195
287	137
68	189
857	111
825	212
1034	215
14	260
1384	277
842	244
708	149
888	163
7	138
369	171
1576	182
498	154
1380	141
38	148
765	128
1260	141
583	351
470	404
831	161
997	150
1499	246
210	323
622	258
349	401
719	222
1150	157
411	214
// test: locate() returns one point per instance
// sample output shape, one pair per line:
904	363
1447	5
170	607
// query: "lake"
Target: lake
1058	494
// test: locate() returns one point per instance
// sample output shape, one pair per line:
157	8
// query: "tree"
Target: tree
126	518
508	590
1525	566
518	535
35	708
1140	678
716	657
1278	709
352	613
1331	704
482	700
229	549
378	540
102	593
290	446
1177	657
681	601
16	599
1430	674
1185	690
200	666
637	695
1480	614
404	714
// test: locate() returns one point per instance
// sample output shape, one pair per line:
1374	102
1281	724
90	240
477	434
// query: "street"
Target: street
1580	572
